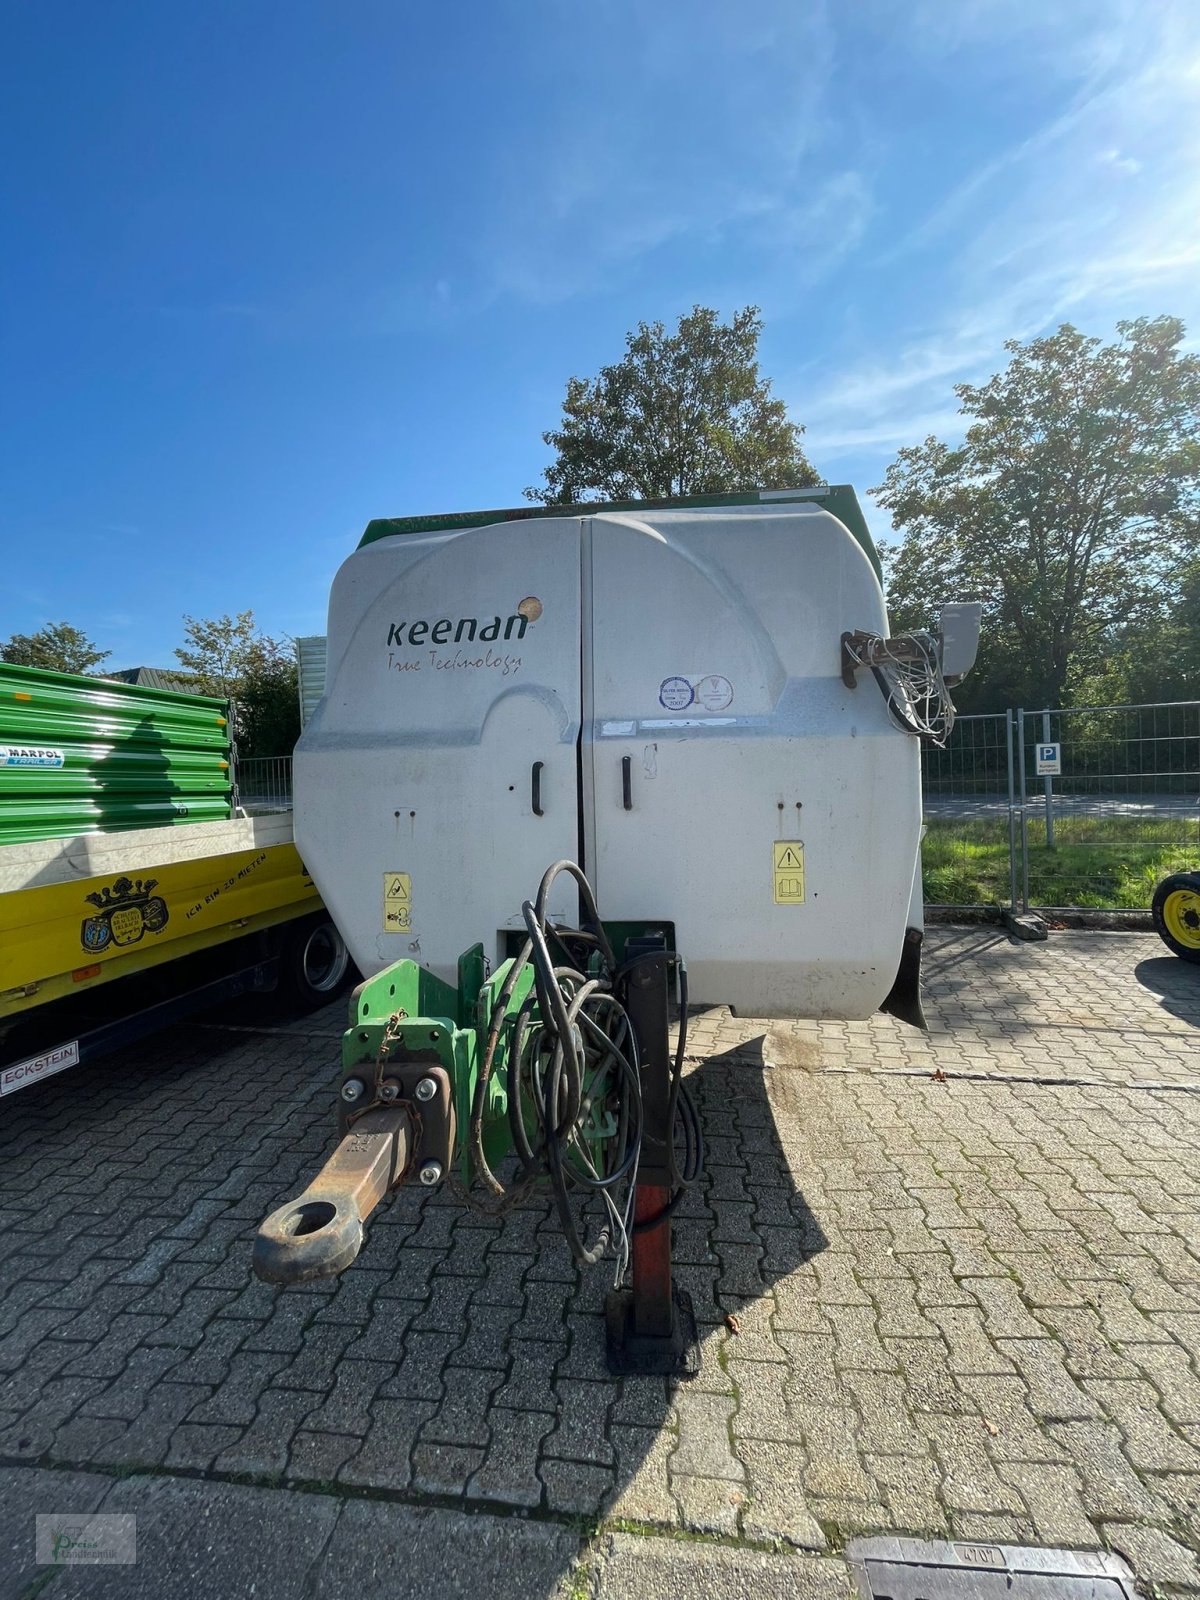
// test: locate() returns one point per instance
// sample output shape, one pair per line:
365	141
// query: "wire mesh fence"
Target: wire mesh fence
1116	806
969	853
264	783
1087	807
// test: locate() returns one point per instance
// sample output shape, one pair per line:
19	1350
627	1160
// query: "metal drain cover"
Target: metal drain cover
911	1569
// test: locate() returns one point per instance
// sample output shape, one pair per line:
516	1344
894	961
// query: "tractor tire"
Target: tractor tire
314	963
1176	912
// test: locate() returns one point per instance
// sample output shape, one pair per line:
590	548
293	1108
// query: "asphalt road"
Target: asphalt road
963	806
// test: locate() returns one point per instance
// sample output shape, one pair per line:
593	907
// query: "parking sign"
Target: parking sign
1049	760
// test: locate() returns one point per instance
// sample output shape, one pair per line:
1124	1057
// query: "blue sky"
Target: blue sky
268	271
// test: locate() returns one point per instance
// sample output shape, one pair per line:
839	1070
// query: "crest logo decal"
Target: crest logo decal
126	911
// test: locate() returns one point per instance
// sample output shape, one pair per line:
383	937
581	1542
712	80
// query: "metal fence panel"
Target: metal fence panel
968	853
265	783
1122	811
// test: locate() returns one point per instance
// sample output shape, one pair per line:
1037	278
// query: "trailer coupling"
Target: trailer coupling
554	1073
406	1131
320	1232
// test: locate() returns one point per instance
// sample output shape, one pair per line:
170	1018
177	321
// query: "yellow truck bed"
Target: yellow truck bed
78	912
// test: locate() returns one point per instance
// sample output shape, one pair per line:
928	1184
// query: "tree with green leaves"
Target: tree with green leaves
1070	509
1150	658
269	703
231	658
58	646
220	651
683	413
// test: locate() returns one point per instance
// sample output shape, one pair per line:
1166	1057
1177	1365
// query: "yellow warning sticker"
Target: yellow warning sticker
787	864
397	902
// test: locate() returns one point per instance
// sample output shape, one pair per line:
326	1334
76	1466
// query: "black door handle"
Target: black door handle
537	789
627	782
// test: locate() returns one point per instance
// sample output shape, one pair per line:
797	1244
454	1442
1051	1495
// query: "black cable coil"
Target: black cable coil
574	1082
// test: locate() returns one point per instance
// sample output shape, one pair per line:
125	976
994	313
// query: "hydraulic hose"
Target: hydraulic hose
573	1077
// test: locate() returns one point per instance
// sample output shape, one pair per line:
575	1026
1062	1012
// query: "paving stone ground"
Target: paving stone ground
1088	1007
966	1308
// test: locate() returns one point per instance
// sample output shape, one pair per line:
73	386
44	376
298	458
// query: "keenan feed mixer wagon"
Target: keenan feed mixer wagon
694	711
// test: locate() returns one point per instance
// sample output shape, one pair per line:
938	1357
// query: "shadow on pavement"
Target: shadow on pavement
1174	983
461	1359
952	950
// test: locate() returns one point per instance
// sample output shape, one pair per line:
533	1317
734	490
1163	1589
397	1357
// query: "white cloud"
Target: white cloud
1122	163
890	433
1094	217
712	134
1075	41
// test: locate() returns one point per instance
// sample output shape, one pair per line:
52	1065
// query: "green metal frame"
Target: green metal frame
451	1024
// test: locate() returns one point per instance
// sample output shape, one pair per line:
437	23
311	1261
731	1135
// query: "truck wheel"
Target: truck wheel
313	963
1176	912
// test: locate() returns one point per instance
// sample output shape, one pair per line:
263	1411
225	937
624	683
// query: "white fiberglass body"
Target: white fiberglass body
664	688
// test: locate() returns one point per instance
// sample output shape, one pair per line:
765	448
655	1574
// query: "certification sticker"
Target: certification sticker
714	692
675	694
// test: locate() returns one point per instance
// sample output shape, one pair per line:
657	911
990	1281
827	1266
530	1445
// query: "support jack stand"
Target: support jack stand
651	1327
650	1333
675	1355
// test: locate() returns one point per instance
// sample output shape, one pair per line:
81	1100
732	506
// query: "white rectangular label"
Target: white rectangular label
29	1071
1049	760
31	755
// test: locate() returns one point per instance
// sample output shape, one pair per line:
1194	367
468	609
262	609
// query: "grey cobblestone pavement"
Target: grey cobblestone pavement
966	1308
1089	1007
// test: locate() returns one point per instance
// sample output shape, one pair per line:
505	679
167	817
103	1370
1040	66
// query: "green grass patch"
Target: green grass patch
1097	863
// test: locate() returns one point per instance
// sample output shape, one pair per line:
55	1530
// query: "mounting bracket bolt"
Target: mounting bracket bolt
431	1173
352	1090
426	1089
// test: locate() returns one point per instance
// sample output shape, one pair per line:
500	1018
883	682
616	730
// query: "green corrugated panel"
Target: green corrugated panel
120	768
51	707
86	755
26	820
